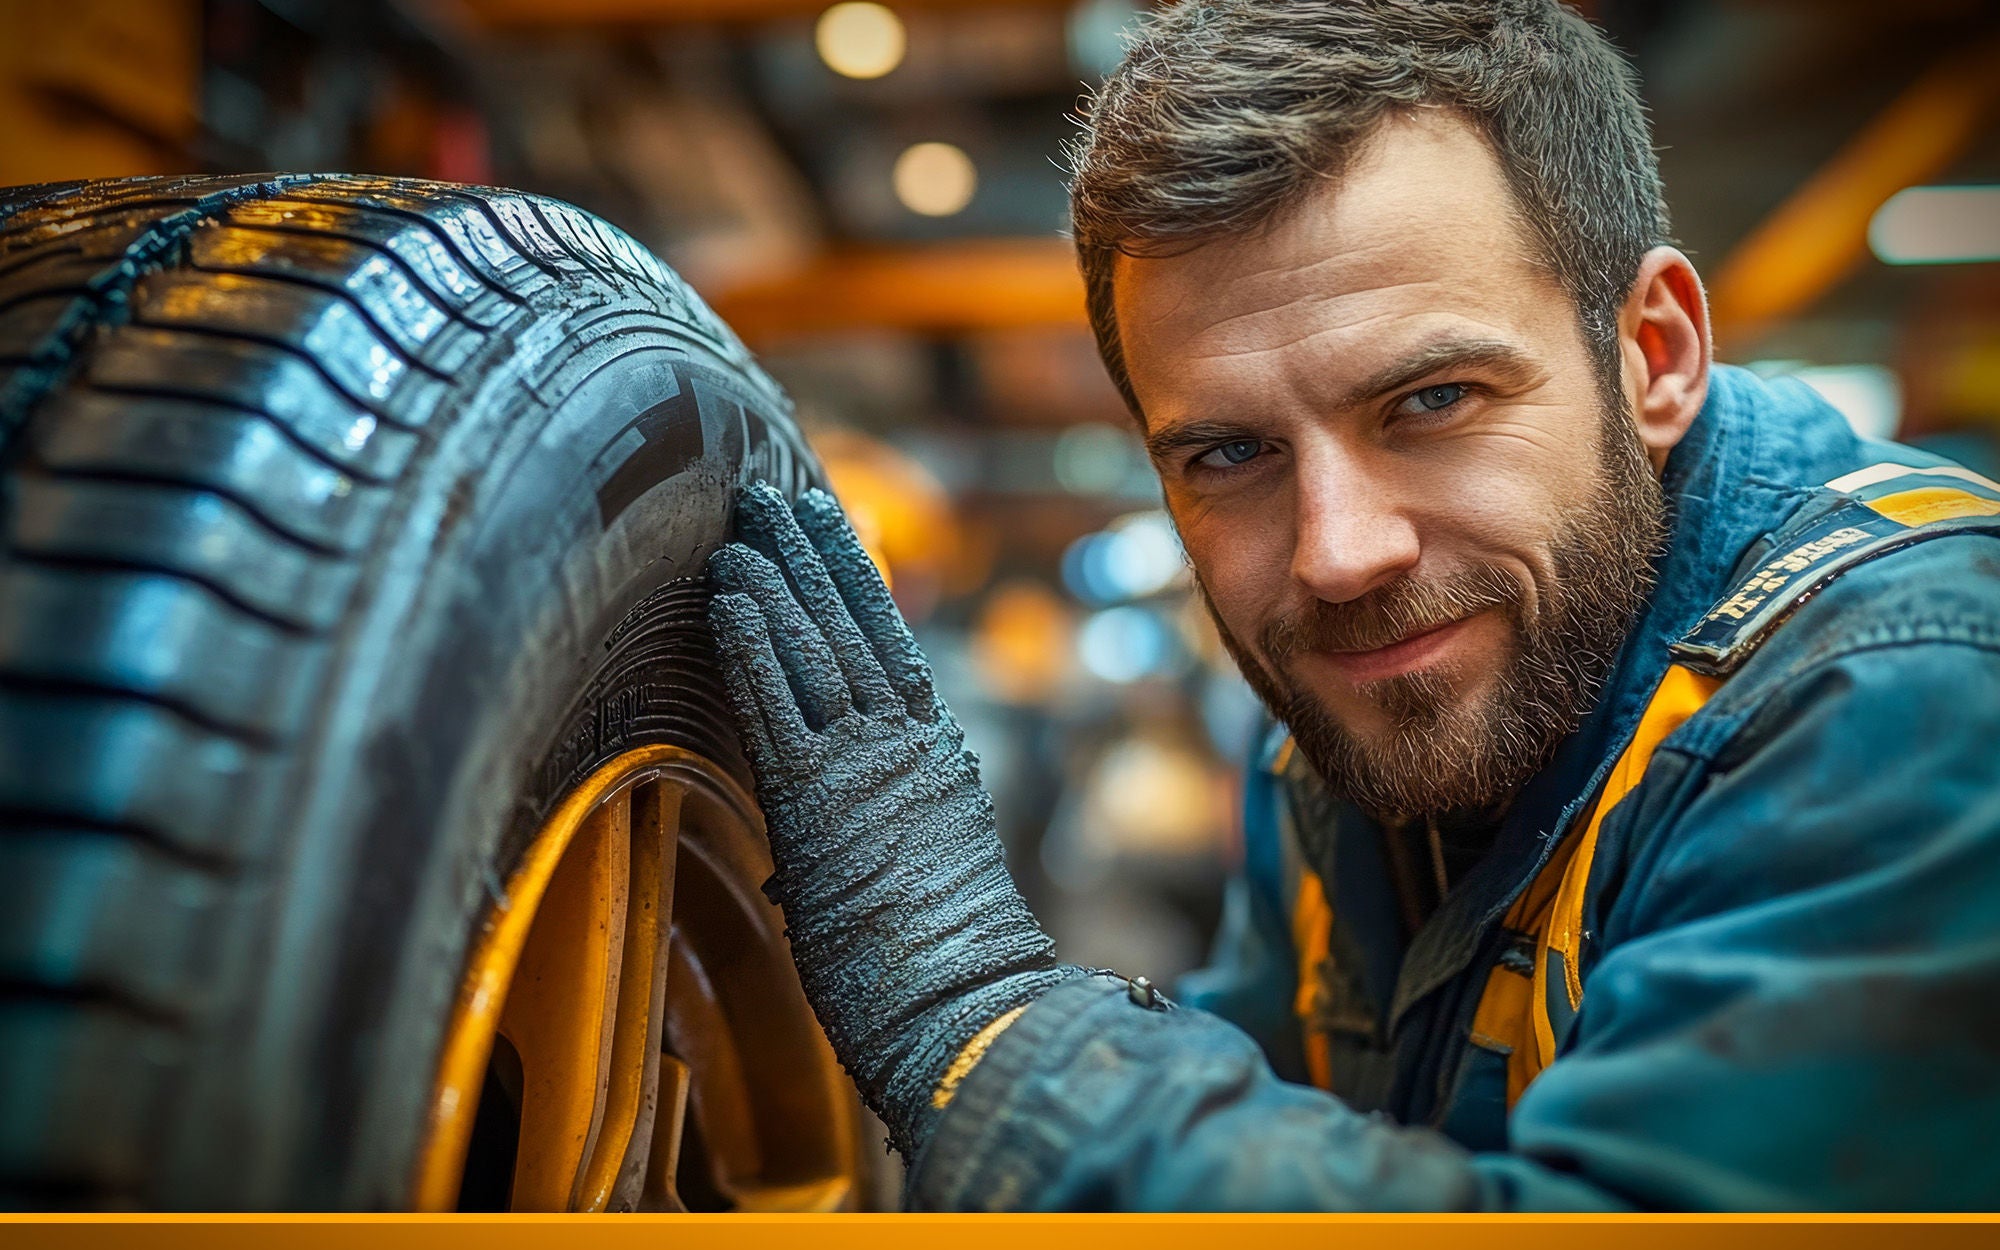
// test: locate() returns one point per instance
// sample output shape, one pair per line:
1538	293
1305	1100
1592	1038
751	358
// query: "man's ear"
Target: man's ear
1664	349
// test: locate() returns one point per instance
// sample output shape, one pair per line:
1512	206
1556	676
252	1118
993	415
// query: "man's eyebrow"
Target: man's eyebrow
1188	435
1455	353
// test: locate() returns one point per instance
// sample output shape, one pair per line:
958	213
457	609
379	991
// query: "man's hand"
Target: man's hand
909	934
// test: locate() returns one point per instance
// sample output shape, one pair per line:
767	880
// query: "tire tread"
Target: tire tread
195	463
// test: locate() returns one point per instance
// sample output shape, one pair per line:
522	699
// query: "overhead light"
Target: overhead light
1937	226
935	179
859	39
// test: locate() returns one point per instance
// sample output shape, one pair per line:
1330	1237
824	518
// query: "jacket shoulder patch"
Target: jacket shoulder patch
1886	507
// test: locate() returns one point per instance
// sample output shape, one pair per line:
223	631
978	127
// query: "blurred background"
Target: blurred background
872	195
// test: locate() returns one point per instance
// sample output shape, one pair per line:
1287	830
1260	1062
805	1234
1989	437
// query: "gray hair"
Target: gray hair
1226	112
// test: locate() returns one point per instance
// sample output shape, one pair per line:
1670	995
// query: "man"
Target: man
1633	836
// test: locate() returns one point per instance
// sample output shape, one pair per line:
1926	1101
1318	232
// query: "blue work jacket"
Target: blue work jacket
1736	947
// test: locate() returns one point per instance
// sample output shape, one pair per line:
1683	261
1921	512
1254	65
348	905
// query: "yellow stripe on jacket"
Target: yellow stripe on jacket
1552	907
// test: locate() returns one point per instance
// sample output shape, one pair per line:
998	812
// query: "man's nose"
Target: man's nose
1353	533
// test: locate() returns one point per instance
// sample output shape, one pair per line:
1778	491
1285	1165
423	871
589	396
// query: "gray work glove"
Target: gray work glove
908	933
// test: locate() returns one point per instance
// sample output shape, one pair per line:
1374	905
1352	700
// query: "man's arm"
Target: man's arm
1798	1007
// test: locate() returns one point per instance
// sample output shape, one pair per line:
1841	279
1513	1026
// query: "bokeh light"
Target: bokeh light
1136	556
1124	644
935	179
1096	459
1869	396
1937	226
1148	796
1021	642
860	40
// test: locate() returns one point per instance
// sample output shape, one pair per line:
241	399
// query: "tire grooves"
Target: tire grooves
145	193
247	735
439	298
484	208
279	426
342	294
105	303
71	292
18	199
224	594
562	237
34	259
379	199
250	506
374	407
17	821
361	202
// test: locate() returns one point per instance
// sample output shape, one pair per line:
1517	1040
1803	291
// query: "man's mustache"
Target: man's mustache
1388	613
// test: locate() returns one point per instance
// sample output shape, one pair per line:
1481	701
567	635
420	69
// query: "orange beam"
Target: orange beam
1818	235
989	284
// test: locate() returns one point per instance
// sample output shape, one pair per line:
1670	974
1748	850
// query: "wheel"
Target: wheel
371	830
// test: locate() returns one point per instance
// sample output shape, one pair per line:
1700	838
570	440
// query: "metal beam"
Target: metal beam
943	288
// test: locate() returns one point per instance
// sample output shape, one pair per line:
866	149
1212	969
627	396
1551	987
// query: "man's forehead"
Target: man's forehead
1422	220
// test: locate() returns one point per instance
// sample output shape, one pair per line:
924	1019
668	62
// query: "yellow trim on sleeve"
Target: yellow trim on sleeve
969	1058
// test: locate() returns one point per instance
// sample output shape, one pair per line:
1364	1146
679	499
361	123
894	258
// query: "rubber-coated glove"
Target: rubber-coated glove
909	935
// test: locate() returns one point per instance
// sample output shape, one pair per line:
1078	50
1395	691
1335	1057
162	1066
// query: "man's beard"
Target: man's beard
1442	753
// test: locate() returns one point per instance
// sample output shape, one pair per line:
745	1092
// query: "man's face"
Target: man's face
1420	523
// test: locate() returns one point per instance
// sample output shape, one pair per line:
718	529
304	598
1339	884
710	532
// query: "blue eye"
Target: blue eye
1239	451
1433	398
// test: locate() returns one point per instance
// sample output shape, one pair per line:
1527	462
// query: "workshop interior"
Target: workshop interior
372	834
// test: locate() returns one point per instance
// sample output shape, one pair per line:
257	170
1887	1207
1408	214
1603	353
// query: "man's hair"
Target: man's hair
1224	113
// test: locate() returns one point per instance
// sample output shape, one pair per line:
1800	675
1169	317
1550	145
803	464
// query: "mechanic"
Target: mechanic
1631	836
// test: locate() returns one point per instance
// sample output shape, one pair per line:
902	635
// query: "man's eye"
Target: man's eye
1435	398
1235	452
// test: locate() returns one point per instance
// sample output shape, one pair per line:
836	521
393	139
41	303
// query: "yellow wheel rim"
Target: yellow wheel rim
639	1027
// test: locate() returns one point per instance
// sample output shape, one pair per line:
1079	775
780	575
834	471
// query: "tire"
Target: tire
347	523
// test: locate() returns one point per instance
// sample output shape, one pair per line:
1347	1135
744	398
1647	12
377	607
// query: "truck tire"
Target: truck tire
350	527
